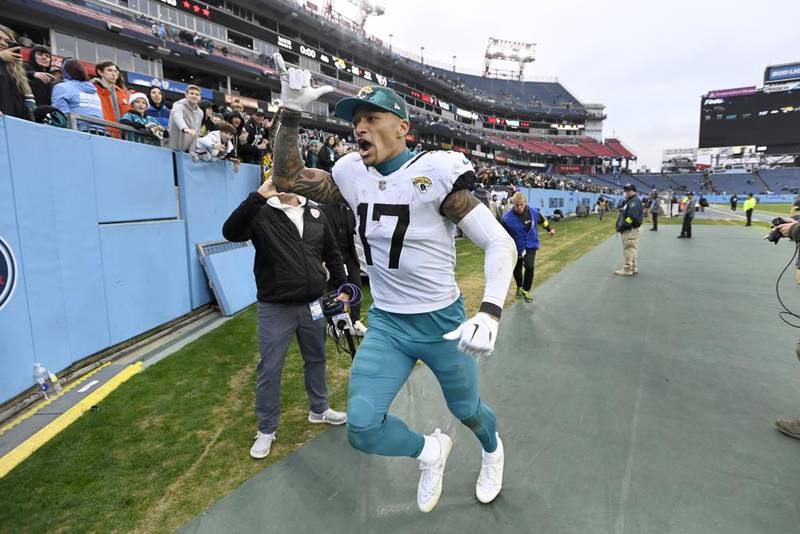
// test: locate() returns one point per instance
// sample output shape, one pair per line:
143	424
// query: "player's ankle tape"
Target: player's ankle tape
491	309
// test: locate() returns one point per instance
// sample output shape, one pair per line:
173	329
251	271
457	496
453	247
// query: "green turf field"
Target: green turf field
777	209
175	438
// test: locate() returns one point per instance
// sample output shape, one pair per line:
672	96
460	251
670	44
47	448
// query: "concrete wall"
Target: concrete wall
102	251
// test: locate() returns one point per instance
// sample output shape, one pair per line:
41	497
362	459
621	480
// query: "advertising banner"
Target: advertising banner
135	78
722	93
782	73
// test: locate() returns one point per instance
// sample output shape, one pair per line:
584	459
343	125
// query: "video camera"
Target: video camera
775	235
337	313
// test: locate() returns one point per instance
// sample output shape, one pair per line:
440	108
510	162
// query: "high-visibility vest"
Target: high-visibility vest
749	204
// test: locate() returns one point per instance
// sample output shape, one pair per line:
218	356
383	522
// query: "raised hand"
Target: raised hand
296	90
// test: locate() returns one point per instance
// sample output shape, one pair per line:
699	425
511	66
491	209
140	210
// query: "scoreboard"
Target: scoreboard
764	118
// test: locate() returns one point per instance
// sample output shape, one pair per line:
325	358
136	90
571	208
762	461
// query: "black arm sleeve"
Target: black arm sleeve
332	258
464	181
544	222
237	227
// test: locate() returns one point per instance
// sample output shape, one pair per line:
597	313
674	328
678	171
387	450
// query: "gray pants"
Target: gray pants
277	325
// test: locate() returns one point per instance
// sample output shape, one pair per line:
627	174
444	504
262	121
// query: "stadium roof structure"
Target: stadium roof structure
619	149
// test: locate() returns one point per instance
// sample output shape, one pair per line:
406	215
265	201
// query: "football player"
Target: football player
407	207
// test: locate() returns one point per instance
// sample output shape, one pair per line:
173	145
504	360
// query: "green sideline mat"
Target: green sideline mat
626	405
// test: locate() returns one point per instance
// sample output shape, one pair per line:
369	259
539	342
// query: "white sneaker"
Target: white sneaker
331	417
490	479
359	329
430	481
260	448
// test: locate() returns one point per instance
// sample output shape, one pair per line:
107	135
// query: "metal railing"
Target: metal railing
104	128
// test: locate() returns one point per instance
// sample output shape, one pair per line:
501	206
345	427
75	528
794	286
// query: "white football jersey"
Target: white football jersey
408	244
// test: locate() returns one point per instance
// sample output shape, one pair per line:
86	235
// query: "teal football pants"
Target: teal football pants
382	365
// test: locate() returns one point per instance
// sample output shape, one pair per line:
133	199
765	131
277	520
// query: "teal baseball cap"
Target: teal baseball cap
375	96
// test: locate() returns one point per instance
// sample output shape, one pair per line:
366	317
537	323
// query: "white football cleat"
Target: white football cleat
261	447
430	481
490	479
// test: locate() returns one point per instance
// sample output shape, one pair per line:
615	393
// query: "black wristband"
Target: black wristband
492	309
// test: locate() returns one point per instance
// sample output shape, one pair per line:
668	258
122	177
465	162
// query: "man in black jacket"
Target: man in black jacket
631	215
292	239
343	224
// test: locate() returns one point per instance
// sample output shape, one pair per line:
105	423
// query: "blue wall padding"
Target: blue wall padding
16	339
135	182
208	194
57	219
231	274
146	276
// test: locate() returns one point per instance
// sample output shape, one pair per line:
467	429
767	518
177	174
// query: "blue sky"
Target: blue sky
648	62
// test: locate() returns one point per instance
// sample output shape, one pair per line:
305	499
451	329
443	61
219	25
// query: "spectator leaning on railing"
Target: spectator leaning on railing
137	117
76	94
185	120
40	61
217	145
158	109
111	90
16	97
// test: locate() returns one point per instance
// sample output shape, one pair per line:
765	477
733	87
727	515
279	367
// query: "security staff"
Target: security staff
688	216
655	209
631	215
734	202
749	205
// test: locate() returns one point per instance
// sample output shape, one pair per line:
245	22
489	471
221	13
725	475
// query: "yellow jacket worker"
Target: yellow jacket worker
749	205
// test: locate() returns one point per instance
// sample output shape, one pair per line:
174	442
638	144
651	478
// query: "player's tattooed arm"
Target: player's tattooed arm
457	204
289	172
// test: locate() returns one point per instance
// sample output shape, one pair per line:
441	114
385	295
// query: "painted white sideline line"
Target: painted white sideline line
88	386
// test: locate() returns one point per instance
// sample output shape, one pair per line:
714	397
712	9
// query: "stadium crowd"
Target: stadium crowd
42	91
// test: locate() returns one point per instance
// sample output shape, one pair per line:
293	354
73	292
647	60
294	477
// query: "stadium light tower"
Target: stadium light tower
515	51
366	9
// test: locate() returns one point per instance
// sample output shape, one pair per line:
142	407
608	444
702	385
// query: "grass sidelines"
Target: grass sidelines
175	438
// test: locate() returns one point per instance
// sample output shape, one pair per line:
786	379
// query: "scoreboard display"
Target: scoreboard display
764	119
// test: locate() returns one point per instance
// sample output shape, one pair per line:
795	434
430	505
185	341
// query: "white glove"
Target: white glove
477	335
296	90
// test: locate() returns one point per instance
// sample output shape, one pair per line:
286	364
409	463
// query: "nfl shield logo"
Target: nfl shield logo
382	185
314	213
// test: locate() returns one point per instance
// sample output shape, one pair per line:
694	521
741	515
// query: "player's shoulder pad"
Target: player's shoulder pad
347	161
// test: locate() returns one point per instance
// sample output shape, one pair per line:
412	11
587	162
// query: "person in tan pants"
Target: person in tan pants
631	215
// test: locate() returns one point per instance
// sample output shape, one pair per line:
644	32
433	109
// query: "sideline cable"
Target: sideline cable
786	311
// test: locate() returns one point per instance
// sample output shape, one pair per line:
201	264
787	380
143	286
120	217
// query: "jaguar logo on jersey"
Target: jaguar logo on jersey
365	91
422	183
8	273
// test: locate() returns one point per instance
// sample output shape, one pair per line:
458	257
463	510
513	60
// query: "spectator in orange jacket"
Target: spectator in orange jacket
111	90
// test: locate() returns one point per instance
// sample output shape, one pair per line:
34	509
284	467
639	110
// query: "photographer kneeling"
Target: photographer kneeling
292	239
791	230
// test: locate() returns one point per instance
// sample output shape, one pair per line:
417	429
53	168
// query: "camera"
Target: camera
775	235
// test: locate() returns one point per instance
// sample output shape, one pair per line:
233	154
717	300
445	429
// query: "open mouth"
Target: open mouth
364	146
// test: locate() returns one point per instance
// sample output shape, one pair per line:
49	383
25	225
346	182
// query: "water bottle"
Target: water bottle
41	376
54	382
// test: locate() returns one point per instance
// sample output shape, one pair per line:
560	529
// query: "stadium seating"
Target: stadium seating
782	180
738	182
